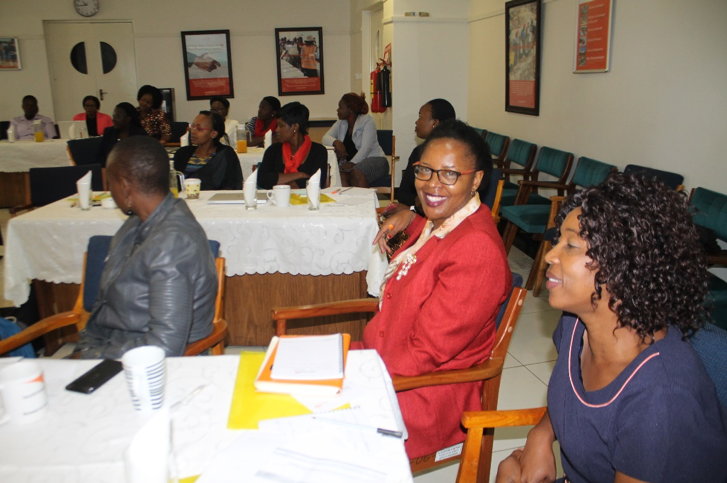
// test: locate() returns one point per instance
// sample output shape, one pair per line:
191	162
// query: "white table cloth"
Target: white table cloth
253	156
82	438
49	243
20	156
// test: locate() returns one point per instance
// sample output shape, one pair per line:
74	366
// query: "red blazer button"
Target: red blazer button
381	333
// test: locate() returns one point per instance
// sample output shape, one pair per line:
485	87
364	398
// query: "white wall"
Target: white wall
157	27
662	104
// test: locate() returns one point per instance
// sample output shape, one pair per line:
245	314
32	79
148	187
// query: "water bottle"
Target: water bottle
11	134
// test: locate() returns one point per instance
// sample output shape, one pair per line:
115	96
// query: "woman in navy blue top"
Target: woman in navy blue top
628	400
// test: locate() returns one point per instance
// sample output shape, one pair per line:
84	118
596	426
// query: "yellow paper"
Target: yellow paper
296	199
250	406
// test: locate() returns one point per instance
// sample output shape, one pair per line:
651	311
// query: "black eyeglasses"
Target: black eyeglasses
446	176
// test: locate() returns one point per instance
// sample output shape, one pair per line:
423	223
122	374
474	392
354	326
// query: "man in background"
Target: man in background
23	126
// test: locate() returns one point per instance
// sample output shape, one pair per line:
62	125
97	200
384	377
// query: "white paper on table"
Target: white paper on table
147	458
268	139
327	455
309	358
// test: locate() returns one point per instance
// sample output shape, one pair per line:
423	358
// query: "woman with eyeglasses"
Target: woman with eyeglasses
443	288
207	159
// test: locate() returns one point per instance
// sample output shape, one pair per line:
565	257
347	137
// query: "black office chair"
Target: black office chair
48	185
84	152
4	126
179	129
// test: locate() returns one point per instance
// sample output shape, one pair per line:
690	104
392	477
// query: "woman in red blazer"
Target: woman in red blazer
443	288
96	121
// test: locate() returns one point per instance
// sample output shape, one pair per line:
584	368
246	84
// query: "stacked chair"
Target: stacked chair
518	162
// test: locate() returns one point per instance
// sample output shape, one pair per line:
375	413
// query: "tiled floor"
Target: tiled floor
530	360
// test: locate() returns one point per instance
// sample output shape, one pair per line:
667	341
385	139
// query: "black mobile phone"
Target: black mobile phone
95	377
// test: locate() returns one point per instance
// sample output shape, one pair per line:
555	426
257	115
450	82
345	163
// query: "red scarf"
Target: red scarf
293	161
260	127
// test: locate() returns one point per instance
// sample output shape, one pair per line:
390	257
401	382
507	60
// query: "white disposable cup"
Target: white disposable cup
145	370
192	188
314	196
108	203
249	191
23	392
84	194
280	195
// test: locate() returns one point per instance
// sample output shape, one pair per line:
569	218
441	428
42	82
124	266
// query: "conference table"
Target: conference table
18	157
83	438
253	156
274	257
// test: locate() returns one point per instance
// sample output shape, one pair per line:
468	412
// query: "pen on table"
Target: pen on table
385	432
339	191
188	397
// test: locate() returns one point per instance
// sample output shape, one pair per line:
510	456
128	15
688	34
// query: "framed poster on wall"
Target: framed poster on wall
300	61
207	64
9	54
593	36
522	56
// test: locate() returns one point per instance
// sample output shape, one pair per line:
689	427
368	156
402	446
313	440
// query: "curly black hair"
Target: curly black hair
156	95
645	249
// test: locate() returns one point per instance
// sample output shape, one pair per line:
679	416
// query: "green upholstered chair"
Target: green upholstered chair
589	172
498	147
481	132
519	161
530	210
710	211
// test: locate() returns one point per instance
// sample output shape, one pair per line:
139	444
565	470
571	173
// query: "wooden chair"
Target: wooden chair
47	185
672	180
553	162
589	172
475	465
77	317
498	147
387	141
489	371
492	196
518	162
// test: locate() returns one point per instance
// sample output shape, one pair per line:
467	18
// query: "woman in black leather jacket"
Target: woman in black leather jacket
159	281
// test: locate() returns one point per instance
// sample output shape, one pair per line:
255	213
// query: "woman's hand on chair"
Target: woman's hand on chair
393	225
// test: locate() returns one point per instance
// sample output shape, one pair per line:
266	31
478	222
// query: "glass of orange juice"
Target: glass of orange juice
242	145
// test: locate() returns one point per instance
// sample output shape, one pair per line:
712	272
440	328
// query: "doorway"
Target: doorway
90	58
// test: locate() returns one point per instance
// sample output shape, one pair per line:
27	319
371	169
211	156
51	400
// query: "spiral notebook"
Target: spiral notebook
306	365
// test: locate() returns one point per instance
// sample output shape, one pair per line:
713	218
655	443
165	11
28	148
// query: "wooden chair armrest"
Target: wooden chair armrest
173	145
523	172
717	258
486	370
282	314
502	419
44	326
556	199
218	334
544	184
322	310
14	210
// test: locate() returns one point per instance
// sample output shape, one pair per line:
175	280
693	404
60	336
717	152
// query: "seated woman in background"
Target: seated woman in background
353	137
125	123
443	288
264	121
159	281
152	118
215	164
96	121
295	158
628	400
431	115
221	106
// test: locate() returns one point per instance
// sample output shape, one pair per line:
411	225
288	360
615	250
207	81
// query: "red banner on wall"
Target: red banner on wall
522	93
593	35
219	86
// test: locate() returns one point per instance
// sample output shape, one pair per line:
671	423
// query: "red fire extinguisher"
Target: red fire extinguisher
375	91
